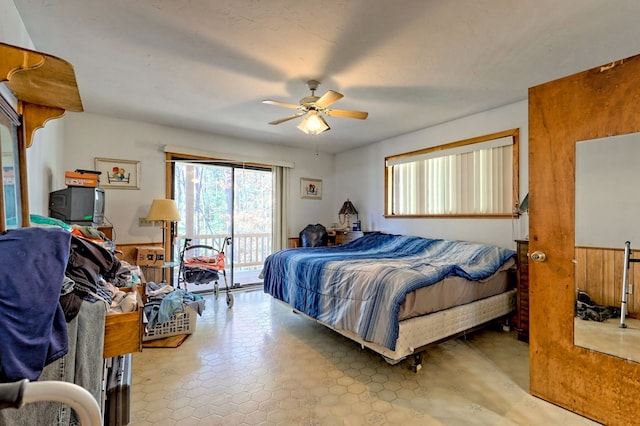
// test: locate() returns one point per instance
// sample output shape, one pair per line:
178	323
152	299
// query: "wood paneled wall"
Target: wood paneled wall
599	273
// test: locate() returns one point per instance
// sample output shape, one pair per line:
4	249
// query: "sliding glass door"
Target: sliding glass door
228	207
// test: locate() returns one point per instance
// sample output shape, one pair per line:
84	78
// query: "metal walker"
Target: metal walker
204	266
625	282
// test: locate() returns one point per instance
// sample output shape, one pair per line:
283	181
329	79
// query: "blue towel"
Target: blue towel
33	331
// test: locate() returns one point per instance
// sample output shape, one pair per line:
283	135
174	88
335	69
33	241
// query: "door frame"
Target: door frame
171	158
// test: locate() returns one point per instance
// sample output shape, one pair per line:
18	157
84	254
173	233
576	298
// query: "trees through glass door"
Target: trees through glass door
221	202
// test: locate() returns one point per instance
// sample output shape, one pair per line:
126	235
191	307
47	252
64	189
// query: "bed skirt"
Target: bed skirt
417	333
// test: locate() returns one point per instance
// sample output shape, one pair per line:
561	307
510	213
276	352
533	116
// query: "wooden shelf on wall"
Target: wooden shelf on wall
45	88
44	85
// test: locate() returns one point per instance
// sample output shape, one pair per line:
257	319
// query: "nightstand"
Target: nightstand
343	237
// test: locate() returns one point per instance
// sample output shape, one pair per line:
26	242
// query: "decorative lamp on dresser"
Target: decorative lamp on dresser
522	290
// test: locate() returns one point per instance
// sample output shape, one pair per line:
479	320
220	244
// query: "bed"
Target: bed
395	294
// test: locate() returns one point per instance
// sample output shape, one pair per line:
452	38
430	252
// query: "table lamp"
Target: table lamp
345	212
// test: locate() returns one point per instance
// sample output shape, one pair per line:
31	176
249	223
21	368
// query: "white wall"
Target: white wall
88	136
607	206
44	162
360	177
12	29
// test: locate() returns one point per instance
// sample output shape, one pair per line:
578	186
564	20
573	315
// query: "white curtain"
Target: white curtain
281	207
476	182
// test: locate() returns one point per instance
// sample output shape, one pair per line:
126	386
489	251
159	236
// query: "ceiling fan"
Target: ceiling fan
313	108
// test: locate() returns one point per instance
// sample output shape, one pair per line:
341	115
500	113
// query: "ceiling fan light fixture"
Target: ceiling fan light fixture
313	124
313	108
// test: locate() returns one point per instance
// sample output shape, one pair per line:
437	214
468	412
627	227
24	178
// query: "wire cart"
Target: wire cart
202	264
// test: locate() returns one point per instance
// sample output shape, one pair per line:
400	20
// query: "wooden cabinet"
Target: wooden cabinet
522	290
107	231
123	332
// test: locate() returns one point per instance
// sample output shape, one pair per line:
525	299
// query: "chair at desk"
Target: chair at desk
314	236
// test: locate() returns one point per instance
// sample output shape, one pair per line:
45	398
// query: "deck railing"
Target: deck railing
248	249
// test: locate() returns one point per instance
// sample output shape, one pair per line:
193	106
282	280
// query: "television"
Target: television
78	205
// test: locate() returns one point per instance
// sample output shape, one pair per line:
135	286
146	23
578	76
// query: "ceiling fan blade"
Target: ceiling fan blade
282	104
291	117
328	99
360	115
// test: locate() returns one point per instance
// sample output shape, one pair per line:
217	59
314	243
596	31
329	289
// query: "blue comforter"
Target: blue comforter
361	285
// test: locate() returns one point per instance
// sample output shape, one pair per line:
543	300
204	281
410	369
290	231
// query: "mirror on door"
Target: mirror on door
10	193
607	216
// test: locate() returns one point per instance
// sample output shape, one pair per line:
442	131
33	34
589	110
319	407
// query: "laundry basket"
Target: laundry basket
179	323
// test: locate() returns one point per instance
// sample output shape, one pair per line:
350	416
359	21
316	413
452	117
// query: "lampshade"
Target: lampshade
348	208
524	205
313	124
165	210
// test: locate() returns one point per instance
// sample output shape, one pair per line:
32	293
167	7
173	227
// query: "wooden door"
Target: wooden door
600	102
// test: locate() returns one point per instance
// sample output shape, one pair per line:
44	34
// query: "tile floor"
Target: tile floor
260	364
609	338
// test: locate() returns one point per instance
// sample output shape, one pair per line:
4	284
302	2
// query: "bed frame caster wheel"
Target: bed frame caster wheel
417	363
229	300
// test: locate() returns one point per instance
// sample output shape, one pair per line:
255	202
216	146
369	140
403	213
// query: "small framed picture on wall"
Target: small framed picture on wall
311	188
123	174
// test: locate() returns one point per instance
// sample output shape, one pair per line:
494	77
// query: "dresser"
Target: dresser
522	290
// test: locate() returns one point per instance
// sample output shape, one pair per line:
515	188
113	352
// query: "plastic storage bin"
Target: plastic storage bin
179	323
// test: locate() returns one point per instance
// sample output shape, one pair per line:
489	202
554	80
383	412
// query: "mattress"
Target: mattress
453	291
360	286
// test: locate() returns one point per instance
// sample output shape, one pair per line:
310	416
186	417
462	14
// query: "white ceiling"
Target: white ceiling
207	65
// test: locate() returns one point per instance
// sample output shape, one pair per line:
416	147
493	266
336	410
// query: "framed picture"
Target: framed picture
123	174
311	188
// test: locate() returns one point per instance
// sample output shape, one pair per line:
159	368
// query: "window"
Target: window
473	177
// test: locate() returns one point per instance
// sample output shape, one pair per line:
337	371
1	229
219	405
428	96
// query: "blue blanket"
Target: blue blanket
361	285
33	331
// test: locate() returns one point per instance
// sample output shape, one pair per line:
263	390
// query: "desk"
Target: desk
294	242
343	237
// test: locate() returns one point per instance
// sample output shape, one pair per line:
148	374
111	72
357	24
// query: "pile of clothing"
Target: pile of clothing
588	310
93	272
163	301
47	272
